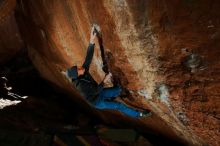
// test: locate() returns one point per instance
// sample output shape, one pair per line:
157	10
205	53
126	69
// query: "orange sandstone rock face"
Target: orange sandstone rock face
188	36
10	39
164	52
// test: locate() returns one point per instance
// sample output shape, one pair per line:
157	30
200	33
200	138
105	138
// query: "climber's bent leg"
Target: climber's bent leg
101	104
109	93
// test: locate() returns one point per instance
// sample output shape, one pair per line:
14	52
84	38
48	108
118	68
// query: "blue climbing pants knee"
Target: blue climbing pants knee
103	102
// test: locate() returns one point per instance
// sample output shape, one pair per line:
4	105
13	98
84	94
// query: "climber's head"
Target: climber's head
72	72
75	71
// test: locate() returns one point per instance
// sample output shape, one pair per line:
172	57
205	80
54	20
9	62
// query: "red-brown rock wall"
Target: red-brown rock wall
188	35
10	39
165	52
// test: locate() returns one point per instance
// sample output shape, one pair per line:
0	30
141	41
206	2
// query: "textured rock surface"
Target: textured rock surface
185	28
165	53
10	39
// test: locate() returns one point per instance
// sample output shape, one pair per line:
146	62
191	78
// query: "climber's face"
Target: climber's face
80	70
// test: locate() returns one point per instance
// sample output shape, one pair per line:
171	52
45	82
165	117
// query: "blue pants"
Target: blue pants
105	101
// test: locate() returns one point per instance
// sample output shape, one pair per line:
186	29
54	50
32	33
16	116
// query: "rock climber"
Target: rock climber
96	94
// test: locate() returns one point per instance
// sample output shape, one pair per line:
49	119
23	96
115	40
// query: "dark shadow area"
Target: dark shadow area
26	81
49	111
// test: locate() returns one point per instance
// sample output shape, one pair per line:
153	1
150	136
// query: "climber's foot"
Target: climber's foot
145	113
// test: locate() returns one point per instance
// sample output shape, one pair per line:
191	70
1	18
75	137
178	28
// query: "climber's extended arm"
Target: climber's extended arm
90	50
89	56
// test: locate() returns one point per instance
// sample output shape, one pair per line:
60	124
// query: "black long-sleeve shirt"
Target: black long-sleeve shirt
85	83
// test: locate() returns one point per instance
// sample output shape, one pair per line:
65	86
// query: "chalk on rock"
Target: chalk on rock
97	27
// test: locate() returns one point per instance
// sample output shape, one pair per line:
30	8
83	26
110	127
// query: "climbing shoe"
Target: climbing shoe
145	113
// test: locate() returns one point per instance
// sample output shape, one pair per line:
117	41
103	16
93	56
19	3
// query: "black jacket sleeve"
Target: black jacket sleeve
89	56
